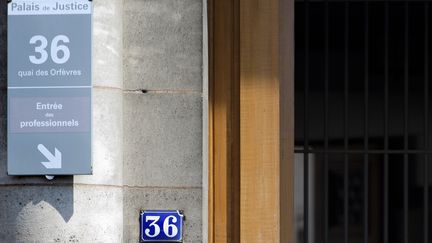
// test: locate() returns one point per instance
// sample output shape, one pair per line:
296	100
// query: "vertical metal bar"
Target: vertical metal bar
306	127
346	169
406	98
326	104
386	74
426	120
366	127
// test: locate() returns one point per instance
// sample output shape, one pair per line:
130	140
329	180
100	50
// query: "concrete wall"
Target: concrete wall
147	148
79	208
163	111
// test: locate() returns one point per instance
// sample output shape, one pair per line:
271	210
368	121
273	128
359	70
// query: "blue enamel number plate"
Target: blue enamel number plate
161	225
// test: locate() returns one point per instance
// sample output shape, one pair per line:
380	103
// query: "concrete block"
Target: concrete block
61	214
163	44
163	140
107	138
108	43
189	200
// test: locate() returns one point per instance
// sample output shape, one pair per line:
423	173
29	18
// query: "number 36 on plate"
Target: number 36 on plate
161	225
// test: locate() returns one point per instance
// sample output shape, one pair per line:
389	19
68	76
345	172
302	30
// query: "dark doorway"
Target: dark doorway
363	121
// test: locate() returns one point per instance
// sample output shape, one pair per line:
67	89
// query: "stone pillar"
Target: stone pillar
163	111
79	208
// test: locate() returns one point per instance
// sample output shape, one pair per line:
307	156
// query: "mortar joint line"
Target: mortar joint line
96	185
150	91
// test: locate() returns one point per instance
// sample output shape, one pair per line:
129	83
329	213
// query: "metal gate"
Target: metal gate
362	133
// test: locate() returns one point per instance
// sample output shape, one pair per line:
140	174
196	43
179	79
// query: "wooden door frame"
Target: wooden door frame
224	125
251	121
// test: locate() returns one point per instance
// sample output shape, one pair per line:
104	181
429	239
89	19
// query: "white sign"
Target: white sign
49	87
49	7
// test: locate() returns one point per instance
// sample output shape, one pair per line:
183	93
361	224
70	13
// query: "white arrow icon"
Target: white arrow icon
54	161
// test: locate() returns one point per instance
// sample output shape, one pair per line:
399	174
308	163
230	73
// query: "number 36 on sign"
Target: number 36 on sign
161	225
